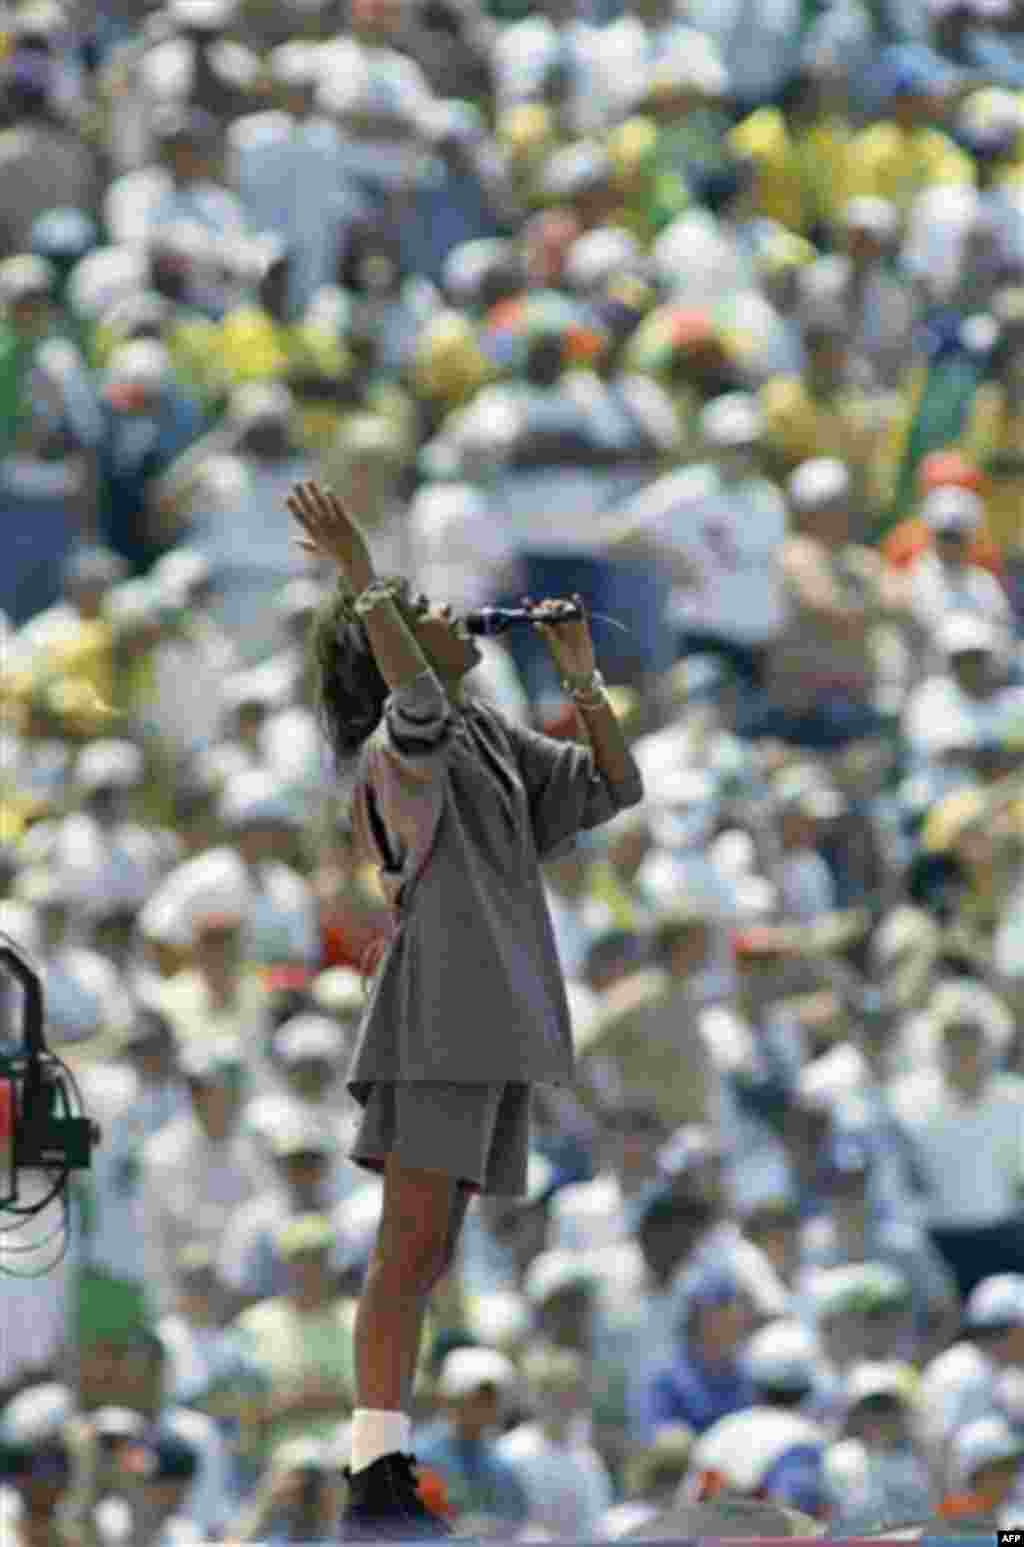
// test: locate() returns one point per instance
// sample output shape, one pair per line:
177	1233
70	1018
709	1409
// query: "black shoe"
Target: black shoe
384	1506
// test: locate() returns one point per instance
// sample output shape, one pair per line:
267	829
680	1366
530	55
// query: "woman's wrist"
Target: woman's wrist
584	687
375	594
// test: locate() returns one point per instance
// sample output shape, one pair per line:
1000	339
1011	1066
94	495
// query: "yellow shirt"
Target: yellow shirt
887	162
84	655
801	177
994	438
252	347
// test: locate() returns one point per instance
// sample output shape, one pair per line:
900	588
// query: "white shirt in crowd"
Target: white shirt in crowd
130	1113
969	1156
125	862
191	1188
937	590
731	535
957	1387
566	1483
939	717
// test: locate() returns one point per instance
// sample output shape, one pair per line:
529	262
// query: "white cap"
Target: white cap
879	216
179	572
501	1319
998	1301
256	798
37	1414
252	686
209	15
131	603
103	278
951	509
782	1356
164	920
296	63
734	419
109	763
819	482
308	1037
25	275
257	402
212	1062
965	631
466	1370
339	992
552	1271
213	884
141	363
877	1379
594	258
955	1002
981	1444
696	65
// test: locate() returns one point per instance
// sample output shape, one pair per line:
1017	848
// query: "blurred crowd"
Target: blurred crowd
712	313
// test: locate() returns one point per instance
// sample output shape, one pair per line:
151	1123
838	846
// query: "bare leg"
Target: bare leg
459	1206
406	1263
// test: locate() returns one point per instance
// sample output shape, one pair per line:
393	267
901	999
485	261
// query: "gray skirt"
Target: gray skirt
477	1134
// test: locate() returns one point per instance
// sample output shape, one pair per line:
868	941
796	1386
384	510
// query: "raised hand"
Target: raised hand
330	531
570	644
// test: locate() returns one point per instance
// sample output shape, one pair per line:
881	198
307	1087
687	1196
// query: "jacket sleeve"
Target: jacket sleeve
564	790
397	801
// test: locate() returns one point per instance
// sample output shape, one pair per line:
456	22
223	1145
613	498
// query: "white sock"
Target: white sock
377	1433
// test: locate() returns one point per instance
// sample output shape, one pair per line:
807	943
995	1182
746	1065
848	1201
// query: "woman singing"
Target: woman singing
458	806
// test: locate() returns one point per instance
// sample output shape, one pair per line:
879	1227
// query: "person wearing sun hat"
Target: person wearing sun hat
201	909
37	1460
475	1386
962	1384
198	1169
903	545
905	151
259	819
960	1119
722	525
51	431
985	1465
140	389
301	1341
303	1156
944	580
875	1471
768	1452
968	701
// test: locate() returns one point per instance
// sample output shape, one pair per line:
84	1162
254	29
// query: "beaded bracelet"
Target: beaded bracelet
376	592
579	691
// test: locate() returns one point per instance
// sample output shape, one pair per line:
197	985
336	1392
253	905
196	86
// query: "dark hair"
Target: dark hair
351	692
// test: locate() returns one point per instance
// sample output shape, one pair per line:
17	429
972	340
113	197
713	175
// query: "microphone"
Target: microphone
489	621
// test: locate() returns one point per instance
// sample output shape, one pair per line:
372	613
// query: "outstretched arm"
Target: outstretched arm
332	532
572	650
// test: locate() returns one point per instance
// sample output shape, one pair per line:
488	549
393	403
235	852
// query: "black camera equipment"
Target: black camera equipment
45	1134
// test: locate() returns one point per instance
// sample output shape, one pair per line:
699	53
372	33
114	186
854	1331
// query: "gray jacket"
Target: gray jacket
470	988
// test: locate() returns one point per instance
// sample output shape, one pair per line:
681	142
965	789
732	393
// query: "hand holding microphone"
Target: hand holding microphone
488	622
